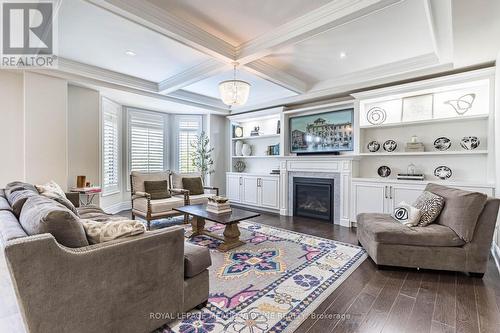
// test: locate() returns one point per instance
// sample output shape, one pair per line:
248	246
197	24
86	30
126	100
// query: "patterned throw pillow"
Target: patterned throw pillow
430	205
406	214
100	232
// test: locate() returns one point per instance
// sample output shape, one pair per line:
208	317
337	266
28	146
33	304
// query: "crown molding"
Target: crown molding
276	76
192	75
159	20
324	18
194	97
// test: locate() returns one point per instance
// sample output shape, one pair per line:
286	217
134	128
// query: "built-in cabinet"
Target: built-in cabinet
254	190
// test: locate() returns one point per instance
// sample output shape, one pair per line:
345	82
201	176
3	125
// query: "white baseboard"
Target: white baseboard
118	207
495	251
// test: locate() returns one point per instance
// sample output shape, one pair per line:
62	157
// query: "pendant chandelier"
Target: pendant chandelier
234	92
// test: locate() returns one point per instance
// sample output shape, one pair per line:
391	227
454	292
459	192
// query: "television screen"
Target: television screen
322	133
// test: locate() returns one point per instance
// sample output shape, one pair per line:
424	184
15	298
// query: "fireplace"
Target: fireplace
313	198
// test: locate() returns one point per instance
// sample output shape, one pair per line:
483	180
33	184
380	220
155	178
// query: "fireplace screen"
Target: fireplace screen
313	198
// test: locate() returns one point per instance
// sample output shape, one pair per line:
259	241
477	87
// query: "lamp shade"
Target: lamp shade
234	92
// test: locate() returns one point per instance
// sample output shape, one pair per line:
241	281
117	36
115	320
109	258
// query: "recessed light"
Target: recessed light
130	53
343	55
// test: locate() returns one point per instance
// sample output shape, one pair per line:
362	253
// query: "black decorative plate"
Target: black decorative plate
384	171
443	172
442	143
373	146
470	142
390	146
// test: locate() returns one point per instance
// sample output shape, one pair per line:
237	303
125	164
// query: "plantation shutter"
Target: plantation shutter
147	141
110	148
188	129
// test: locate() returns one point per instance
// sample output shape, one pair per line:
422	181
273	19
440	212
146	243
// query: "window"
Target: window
111	148
188	130
147	144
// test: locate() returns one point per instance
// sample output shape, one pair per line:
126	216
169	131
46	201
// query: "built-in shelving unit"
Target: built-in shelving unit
428	153
257	137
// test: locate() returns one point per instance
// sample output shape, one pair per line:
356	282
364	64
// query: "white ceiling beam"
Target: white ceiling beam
276	76
194	74
318	21
159	20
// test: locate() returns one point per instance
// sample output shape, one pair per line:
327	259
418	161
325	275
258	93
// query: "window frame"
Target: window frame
107	106
177	120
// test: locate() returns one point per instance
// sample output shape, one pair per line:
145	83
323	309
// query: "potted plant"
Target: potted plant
202	155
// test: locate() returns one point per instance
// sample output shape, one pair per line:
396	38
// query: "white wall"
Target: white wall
11	127
83	135
497	144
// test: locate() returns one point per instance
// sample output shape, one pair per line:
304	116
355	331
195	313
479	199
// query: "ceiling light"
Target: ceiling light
130	53
234	92
343	55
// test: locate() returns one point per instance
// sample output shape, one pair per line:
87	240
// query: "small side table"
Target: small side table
87	194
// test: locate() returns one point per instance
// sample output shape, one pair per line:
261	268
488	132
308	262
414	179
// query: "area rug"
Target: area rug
270	284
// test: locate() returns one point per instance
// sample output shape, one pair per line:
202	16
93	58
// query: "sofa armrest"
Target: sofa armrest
103	287
74	198
136	195
212	188
181	191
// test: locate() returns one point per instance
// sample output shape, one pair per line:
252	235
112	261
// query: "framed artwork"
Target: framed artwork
418	108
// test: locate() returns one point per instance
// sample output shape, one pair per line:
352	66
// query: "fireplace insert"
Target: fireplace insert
313	198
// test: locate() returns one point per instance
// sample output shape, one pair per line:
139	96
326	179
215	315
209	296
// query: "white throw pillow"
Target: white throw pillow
51	187
100	232
406	214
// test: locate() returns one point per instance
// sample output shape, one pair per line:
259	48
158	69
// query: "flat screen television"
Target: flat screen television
328	132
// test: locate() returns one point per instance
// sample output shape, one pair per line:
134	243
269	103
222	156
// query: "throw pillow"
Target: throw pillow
461	211
406	214
193	184
18	198
42	215
158	189
100	232
430	206
53	191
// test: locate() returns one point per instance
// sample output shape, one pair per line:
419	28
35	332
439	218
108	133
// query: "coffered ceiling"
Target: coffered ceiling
289	50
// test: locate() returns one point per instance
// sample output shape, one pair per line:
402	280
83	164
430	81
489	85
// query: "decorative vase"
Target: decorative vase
81	181
246	150
237	148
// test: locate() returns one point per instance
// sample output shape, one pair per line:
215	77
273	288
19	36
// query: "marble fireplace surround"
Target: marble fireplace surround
338	168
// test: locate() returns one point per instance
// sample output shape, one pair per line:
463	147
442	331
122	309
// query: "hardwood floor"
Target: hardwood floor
370	300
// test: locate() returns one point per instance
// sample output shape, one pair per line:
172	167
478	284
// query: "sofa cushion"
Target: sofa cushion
158	206
138	179
4	204
53	191
100	232
158	189
196	259
43	215
193	184
430	206
97	214
10	227
2	193
177	178
18	198
382	228
200	199
461	210
17	185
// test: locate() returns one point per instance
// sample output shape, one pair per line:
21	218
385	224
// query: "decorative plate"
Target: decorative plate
238	131
390	145
463	104
470	142
240	166
443	172
376	116
442	143
384	171
373	146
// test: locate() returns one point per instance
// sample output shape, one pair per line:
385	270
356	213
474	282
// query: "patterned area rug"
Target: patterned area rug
270	284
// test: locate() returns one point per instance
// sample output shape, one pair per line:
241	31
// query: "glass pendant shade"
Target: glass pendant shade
234	92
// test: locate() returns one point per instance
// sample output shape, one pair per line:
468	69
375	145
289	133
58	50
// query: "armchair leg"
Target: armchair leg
148	226
202	305
133	216
186	219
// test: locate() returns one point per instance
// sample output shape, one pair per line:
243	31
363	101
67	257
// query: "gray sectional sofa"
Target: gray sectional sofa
63	284
460	239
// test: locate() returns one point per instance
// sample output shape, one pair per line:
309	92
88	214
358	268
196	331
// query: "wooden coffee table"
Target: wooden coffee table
231	234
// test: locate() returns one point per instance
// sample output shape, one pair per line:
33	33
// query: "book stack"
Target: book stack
275	171
414	147
406	176
218	205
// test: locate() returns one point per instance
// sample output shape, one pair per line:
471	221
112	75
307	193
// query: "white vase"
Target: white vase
246	150
237	148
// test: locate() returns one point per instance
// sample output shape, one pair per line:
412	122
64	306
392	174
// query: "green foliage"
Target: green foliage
202	155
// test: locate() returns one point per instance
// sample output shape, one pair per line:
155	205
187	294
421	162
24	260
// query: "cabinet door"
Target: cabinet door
269	192
250	192
233	188
369	198
407	193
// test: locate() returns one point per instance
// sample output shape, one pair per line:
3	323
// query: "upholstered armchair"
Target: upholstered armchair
194	199
149	209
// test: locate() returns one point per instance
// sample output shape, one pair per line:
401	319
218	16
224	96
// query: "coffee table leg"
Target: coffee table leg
198	225
231	237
